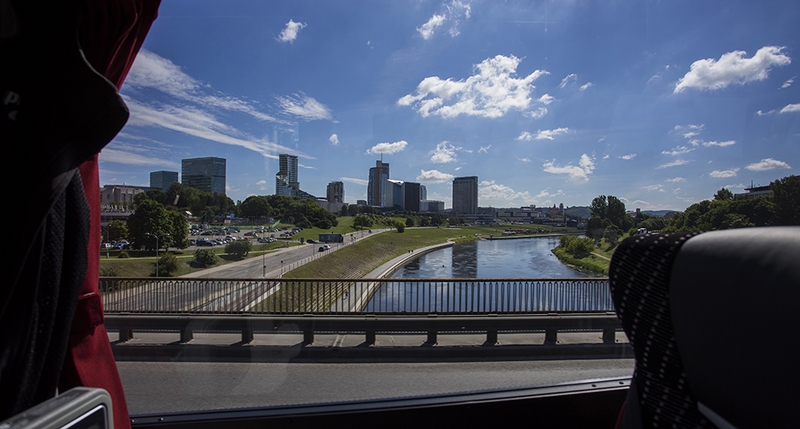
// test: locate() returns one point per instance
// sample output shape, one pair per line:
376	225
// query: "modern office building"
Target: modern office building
205	174
432	206
411	196
335	193
286	182
465	195
163	179
393	194
376	187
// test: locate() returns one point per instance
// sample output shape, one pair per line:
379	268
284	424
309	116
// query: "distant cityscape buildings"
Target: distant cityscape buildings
335	192
377	184
205	174
465	195
286	180
163	179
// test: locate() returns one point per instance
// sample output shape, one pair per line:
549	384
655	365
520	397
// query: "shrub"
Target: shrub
577	246
167	265
239	248
123	254
205	258
401	227
109	272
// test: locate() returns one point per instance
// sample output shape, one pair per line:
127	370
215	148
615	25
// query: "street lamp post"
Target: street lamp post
153	235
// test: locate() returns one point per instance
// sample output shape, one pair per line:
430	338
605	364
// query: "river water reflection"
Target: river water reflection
529	258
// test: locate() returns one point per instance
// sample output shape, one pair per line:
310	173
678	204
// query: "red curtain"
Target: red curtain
111	34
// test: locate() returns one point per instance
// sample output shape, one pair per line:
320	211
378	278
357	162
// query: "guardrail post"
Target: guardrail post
186	335
491	336
125	334
609	336
308	337
370	338
432	337
550	336
247	336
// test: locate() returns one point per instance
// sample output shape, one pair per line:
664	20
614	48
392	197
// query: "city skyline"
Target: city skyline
545	102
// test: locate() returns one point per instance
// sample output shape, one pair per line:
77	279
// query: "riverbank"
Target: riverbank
592	263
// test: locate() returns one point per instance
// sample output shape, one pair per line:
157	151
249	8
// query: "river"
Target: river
527	259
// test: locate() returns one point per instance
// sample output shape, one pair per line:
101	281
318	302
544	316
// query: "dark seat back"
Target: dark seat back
709	335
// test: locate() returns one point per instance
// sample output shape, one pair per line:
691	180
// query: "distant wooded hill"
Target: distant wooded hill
583	212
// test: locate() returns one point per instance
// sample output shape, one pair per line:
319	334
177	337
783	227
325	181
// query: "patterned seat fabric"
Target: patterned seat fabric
639	279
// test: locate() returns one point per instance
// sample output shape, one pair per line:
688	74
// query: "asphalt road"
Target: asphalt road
156	387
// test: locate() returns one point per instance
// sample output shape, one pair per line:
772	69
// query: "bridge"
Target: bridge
311	307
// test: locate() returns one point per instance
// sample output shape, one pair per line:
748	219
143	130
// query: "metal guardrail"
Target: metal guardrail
550	324
354	296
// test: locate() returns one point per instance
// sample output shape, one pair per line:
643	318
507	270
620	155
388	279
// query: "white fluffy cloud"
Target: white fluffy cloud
676	180
434	176
289	33
547	134
355	181
444	153
586	86
262	185
131	157
427	29
578	174
484	149
499	195
452	13
723	174
570	78
153	71
732	68
679	150
304	107
387	148
767	164
334	139
674	163
791	108
720	144
629	156
788	83
491	92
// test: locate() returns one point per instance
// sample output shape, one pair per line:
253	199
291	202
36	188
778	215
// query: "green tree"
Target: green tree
409	222
205	258
255	206
167	265
116	230
180	228
239	248
401	227
723	195
786	197
362	221
150	219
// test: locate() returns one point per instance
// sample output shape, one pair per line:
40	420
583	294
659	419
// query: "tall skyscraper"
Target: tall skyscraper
335	192
465	195
205	174
376	187
286	179
411	196
163	179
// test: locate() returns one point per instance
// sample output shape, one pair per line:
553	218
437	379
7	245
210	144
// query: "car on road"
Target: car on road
205	242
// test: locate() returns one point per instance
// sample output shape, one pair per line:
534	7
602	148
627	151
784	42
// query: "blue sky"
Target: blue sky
660	103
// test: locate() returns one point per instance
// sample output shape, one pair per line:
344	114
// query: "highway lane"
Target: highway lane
155	387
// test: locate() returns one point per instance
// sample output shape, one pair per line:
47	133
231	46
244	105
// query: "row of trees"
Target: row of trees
782	207
609	218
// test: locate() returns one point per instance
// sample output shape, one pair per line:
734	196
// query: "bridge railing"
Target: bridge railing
354	296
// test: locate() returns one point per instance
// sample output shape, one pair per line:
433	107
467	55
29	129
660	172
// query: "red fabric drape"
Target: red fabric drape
112	33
